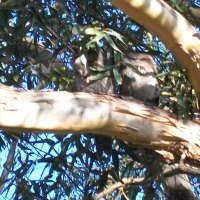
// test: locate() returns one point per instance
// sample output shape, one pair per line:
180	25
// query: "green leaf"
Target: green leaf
115	34
54	78
115	159
150	37
91	31
98	76
161	74
99	36
75	30
111	43
95	40
118	57
102	69
166	93
117	76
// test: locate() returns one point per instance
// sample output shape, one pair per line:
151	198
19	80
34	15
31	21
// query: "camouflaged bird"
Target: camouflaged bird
138	77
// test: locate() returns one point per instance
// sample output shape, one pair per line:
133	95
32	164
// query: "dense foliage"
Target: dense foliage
39	41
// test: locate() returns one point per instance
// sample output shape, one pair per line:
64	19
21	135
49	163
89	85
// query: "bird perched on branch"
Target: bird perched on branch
138	77
90	80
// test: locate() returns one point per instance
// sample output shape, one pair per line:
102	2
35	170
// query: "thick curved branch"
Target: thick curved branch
128	120
174	30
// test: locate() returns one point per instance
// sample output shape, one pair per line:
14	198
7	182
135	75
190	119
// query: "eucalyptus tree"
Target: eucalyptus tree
71	127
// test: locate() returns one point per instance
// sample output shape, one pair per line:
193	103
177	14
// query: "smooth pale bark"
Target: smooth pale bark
174	30
132	121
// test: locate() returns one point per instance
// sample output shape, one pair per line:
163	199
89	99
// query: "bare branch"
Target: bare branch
123	183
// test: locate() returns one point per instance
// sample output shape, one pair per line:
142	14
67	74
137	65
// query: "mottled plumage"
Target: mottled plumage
83	65
138	77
